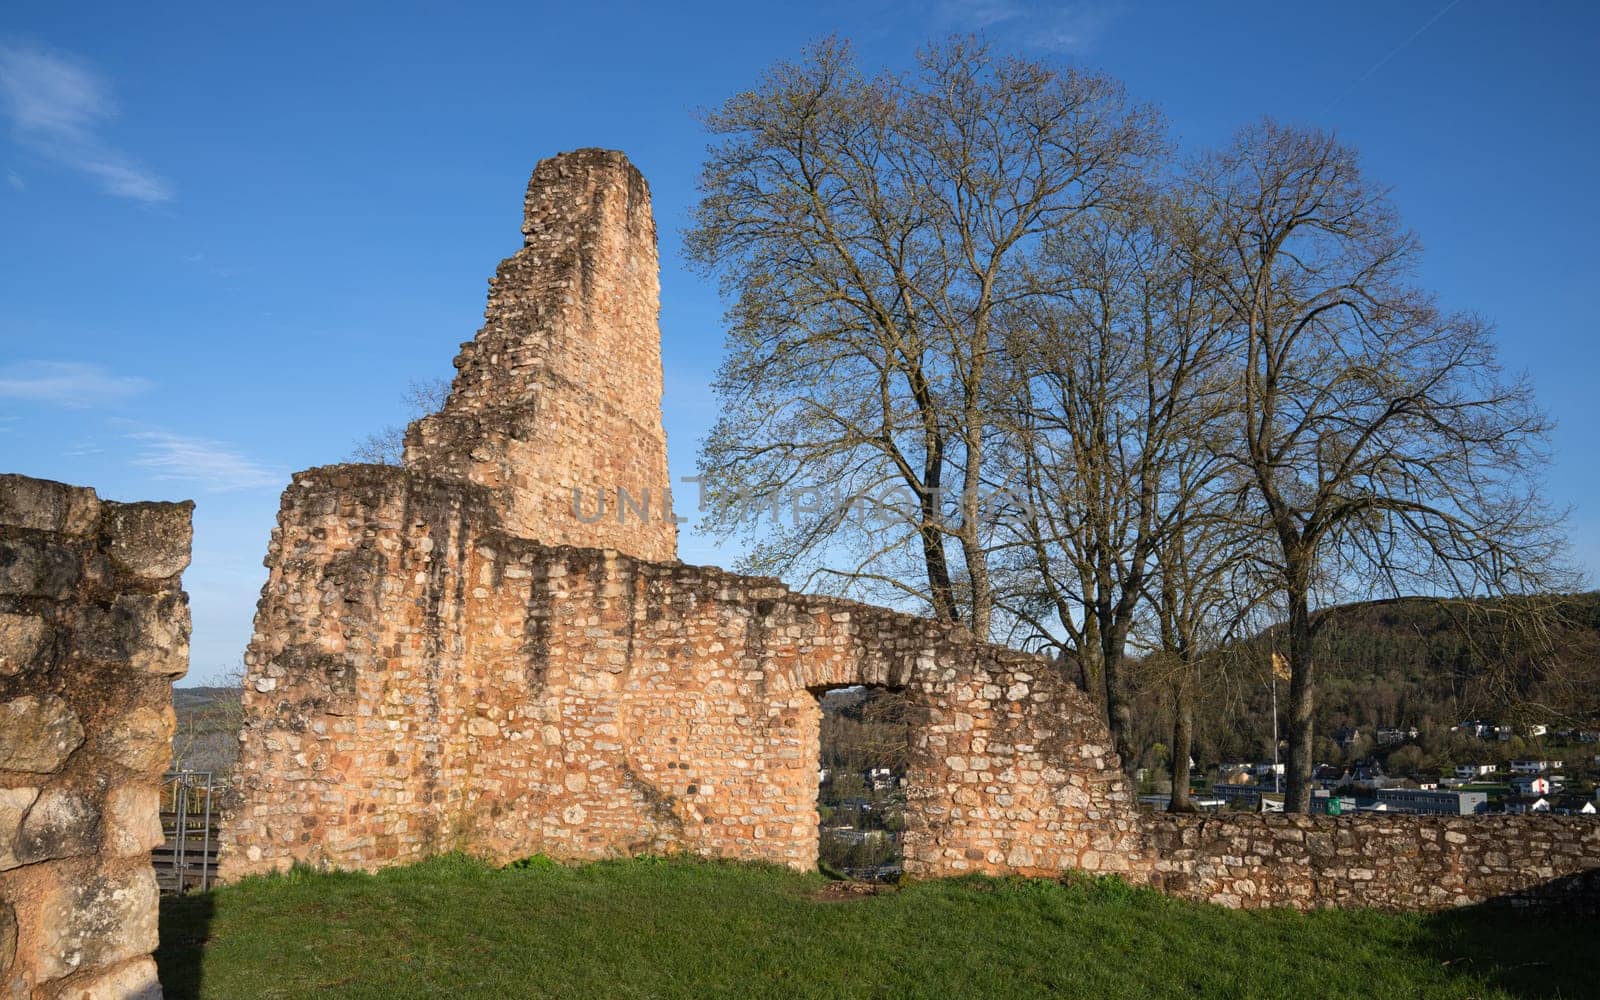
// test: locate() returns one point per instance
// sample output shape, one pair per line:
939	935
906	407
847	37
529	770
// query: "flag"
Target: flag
1280	666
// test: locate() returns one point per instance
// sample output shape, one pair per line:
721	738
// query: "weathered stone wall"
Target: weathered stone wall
422	681
1395	862
93	629
556	405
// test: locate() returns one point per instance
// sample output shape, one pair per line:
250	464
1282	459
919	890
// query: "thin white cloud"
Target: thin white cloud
213	465
1072	27
15	180
67	383
56	105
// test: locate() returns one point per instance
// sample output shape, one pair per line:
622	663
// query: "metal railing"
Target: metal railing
187	856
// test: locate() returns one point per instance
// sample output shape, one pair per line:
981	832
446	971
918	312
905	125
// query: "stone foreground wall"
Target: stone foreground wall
1393	862
422	681
93	629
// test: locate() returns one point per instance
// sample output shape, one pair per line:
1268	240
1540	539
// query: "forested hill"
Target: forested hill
1410	661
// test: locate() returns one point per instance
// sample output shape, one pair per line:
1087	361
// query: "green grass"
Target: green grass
453	927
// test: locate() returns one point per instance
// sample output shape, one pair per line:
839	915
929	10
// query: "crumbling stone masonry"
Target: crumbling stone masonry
422	681
93	629
556	405
450	655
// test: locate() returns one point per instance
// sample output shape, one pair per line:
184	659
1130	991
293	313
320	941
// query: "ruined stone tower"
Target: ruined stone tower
556	405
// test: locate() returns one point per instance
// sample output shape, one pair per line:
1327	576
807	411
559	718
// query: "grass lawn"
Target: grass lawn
453	927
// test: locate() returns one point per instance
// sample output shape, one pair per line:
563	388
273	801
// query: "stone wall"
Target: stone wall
556	405
1395	862
93	629
422	681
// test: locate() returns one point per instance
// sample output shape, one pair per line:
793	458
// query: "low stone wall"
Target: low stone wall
421	681
1391	862
93	629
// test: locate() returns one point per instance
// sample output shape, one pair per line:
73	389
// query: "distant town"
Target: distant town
1478	766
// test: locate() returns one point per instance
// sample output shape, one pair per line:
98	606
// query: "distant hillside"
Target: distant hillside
207	737
1411	662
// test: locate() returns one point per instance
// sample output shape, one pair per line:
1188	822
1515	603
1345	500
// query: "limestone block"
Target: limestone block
47	506
63	823
37	569
20	638
151	540
37	733
141	740
149	632
134	981
100	920
14	803
131	821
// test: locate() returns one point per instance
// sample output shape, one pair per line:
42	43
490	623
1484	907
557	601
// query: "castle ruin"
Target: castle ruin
469	652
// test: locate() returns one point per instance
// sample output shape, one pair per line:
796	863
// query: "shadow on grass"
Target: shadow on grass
1531	952
185	927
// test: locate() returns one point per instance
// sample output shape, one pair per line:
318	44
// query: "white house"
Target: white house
1530	785
1529	766
1467	772
1534	805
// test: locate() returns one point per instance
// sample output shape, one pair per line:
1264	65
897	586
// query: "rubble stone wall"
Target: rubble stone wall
94	628
422	681
1394	862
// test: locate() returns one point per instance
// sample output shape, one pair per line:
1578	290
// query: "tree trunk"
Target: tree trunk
1182	740
1119	716
1092	667
940	592
978	577
1302	691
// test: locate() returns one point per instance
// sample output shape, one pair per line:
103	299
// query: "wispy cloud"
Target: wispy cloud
214	465
56	105
1072	27
67	383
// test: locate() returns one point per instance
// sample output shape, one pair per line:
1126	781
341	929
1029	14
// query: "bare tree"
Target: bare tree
1384	445
868	232
1114	379
1205	594
387	447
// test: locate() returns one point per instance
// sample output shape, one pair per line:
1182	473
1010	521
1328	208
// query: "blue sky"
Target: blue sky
230	235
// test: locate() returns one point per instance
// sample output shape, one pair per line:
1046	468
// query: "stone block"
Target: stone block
14	804
99	920
37	733
140	740
63	823
21	637
148	632
135	980
150	540
33	568
130	823
43	505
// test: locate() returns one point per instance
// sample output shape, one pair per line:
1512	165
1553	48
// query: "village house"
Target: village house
1529	766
